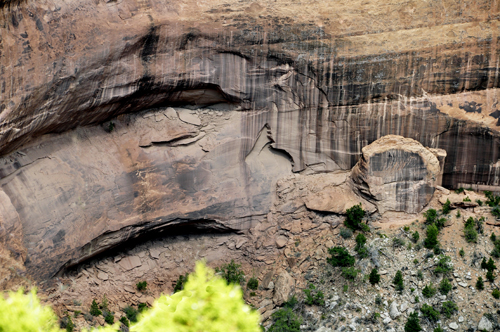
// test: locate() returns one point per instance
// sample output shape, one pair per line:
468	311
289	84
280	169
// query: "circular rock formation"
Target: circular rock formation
398	174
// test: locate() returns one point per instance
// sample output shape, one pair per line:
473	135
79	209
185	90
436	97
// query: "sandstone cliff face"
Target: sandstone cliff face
214	102
398	174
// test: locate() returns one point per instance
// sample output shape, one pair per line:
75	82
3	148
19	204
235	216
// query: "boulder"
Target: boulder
393	310
397	174
485	324
283	287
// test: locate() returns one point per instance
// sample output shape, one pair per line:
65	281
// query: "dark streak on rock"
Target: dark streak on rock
471	107
39	24
150	44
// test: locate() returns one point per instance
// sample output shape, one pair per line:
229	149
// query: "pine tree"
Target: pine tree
431	241
484	264
413	323
490	266
398	281
94	309
374	277
480	283
445	286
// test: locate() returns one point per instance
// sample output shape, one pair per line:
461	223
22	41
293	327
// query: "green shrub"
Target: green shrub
179	283
109	318
459	190
207	303
94	309
466	199
253	283
458	214
406	228
291	303
496	211
360	239
142	285
443	265
480	283
470	235
490	276
469	231
438	329
496	294
490	266
66	323
431	241
413	323
104	305
231	272
360	246
340	257
437	249
479	225
397	242
350	273
125	321
21	312
448	308
430	313
398	281
285	320
446	207
313	296
492	200
479	202
417	300
374	277
378	299
415	236
346	288
141	307
430	216
445	286
493	237
420	275
484	264
131	313
354	217
461	252
429	291
346	233
496	251
362	252
415	261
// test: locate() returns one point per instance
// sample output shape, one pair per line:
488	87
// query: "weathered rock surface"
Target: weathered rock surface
283	288
397	174
260	89
485	324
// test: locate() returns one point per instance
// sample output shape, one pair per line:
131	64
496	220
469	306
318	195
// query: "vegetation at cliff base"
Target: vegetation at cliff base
231	272
354	218
207	303
340	257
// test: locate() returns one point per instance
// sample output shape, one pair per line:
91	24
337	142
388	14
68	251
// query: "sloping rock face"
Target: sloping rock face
119	118
397	173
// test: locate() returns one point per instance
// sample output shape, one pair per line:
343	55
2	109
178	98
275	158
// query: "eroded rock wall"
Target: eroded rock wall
397	174
260	90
